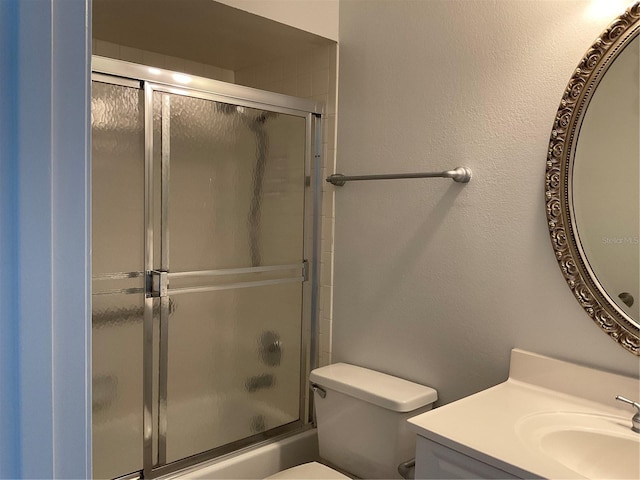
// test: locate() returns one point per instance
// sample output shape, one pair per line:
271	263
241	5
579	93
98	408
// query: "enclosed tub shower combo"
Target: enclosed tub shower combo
205	198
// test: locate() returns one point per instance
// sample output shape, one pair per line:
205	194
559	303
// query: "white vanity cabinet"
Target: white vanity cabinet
435	461
550	419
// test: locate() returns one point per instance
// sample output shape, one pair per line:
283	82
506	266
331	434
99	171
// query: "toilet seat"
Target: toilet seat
310	471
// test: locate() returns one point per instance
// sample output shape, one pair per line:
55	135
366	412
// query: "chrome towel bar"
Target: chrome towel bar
459	174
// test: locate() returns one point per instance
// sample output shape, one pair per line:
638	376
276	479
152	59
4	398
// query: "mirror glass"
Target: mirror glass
593	178
605	181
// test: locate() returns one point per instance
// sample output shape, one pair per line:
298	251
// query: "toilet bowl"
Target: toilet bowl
311	470
361	418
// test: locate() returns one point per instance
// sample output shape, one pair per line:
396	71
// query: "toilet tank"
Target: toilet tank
361	420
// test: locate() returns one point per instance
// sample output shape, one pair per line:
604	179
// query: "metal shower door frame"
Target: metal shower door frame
166	82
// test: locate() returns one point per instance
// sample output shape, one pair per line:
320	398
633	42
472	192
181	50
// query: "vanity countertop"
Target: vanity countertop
492	426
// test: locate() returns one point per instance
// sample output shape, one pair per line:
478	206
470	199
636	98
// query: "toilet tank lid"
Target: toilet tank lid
384	390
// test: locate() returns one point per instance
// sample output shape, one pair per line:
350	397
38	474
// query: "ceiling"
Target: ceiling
203	31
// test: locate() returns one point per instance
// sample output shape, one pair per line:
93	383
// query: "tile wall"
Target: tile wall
152	59
309	74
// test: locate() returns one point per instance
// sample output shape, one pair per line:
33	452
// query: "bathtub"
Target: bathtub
112	455
257	461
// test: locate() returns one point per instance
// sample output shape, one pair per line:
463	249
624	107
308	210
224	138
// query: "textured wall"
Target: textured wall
435	281
315	16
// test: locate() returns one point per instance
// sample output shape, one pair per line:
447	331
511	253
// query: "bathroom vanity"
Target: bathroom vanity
550	419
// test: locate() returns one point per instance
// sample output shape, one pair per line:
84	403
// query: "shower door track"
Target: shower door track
155	80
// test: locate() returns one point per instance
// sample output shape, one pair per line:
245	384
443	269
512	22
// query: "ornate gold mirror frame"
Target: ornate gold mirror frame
586	288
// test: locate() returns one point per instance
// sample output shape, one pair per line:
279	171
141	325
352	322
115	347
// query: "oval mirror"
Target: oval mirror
593	178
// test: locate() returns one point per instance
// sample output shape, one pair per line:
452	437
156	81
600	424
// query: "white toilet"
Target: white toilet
361	416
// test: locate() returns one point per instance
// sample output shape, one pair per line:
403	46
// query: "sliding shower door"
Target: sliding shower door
232	239
117	114
202	298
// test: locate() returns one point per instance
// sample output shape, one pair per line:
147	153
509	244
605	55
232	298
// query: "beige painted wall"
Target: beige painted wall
436	281
315	16
154	59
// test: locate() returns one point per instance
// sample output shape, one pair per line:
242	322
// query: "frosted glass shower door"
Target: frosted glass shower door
204	259
232	223
117	126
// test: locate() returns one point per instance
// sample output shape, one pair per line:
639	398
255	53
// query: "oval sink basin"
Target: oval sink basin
593	446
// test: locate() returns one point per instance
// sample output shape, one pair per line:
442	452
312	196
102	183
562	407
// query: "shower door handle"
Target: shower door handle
158	283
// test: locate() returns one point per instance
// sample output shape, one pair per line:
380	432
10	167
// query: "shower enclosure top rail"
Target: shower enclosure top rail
459	174
131	74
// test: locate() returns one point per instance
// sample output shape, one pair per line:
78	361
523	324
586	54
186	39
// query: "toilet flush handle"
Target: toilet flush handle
405	469
319	390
